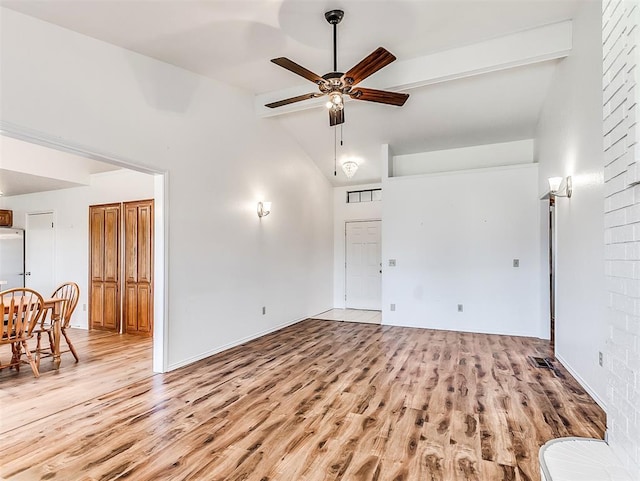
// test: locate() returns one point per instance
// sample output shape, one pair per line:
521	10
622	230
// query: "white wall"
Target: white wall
224	263
466	158
454	237
342	213
71	219
621	60
569	142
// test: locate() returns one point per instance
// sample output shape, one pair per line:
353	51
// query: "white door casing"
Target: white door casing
40	253
363	265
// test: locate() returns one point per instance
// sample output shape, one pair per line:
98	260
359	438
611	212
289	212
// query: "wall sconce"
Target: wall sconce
556	182
264	209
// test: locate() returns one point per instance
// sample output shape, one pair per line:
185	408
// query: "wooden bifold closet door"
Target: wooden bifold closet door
104	285
121	260
138	267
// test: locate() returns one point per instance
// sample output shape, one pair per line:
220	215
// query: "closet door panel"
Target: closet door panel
138	228
104	244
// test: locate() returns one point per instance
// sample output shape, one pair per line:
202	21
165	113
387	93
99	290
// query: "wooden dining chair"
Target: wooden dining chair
71	293
21	309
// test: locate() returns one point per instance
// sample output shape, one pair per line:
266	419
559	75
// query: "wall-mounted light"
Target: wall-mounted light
264	209
559	189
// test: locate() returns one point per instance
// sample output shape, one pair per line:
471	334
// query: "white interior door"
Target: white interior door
363	265
39	253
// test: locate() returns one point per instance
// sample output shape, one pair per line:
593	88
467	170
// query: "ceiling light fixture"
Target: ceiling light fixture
349	167
555	184
336	84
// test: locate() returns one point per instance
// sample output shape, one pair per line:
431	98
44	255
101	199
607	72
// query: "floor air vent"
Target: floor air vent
543	362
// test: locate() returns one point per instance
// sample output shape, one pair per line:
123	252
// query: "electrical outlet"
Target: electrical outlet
392	307
84	307
600	358
264	310
392	262
460	308
516	262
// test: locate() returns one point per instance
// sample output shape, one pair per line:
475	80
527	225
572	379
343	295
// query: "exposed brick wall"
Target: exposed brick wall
620	27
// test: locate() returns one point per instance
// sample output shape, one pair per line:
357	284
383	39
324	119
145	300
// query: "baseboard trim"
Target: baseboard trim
204	355
582	382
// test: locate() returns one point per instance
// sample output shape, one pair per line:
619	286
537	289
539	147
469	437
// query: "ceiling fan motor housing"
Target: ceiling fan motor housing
334	17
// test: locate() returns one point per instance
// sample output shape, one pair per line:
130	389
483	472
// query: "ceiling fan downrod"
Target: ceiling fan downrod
334	17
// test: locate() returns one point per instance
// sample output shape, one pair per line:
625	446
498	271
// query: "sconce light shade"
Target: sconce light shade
264	209
556	182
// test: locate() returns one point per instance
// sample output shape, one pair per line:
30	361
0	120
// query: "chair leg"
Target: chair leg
34	368
15	360
50	341
71	348
38	349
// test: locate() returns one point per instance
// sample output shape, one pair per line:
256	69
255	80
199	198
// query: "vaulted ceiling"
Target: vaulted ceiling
477	71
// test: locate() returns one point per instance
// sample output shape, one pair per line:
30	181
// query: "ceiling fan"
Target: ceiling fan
337	84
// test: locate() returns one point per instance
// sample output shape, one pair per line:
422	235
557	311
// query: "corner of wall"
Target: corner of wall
620	57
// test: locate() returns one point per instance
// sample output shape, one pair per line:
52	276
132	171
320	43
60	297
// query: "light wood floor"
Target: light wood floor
319	400
351	315
107	362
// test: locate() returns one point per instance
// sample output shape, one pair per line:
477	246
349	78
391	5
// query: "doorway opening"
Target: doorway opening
552	267
160	191
363	265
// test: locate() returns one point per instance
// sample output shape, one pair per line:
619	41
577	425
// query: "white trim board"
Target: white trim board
230	345
582	383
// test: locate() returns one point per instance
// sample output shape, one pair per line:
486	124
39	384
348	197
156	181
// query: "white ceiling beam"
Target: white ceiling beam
26	158
539	44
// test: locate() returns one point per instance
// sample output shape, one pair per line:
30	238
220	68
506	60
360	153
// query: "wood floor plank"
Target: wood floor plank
111	362
318	401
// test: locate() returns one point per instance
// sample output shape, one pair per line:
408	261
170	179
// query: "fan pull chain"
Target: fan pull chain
341	126
335	152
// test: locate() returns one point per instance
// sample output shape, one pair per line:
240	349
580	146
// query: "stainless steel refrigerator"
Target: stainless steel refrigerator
11	258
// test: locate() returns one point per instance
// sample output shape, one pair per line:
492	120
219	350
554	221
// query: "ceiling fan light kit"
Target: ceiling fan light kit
336	84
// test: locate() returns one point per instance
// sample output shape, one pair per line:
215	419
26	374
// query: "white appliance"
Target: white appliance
12	273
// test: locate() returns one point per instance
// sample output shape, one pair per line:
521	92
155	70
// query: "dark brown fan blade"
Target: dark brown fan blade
336	117
369	65
380	96
298	69
280	103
